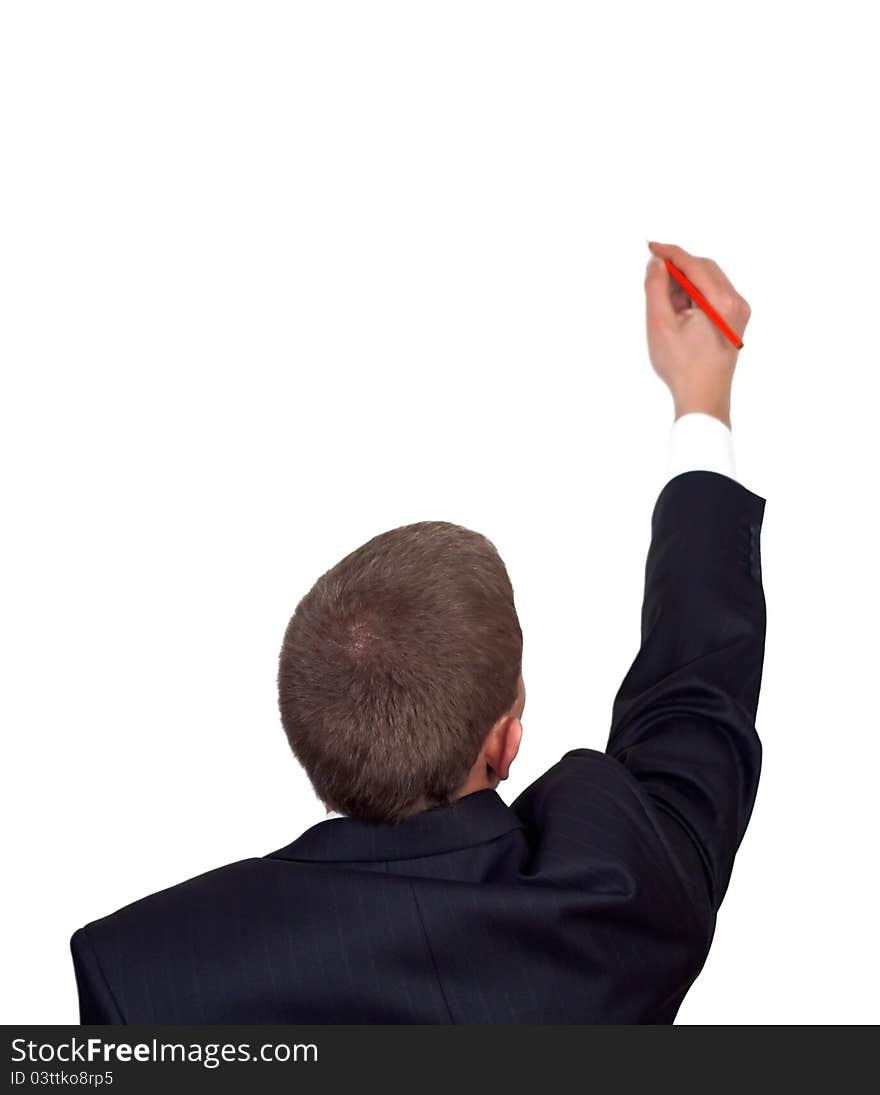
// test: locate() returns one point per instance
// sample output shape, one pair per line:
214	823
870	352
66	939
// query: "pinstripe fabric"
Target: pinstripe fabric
592	898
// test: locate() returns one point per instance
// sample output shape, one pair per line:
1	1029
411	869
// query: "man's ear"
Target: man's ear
509	739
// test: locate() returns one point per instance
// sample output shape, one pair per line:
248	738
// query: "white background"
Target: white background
279	276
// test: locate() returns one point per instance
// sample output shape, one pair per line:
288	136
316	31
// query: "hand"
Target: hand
688	352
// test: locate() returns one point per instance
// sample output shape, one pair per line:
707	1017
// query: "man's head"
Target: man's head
399	680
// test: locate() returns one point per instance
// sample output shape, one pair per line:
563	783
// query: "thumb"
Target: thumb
659	303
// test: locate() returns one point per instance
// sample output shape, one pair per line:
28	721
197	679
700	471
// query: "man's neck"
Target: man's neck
472	785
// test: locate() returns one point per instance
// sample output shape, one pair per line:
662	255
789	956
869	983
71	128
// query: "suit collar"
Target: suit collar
473	819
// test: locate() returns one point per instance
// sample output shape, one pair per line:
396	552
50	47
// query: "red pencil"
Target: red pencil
697	297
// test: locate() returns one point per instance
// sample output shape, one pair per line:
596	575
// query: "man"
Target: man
423	897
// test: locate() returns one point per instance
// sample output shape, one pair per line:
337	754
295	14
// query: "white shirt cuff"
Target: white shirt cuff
700	442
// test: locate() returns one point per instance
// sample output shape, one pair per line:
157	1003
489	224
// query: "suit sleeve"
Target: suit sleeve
96	1001
683	720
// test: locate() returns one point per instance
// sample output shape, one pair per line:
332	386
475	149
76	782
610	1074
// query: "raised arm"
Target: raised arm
664	808
683	720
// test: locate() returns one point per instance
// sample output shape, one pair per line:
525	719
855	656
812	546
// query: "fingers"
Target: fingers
706	274
659	301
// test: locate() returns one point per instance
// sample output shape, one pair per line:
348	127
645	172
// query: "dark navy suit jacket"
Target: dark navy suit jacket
592	898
